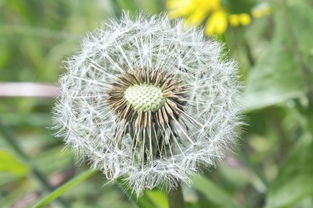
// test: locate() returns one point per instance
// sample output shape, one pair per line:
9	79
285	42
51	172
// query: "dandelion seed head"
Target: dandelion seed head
150	101
146	98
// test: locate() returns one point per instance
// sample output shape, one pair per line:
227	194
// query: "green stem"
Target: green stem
63	188
11	141
249	53
116	8
247	47
175	198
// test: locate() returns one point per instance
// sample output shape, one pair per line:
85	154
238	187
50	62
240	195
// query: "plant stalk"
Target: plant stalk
176	198
10	139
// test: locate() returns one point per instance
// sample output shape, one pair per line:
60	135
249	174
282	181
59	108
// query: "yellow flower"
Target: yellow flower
236	20
197	11
217	23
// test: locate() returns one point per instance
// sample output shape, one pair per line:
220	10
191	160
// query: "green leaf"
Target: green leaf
212	192
278	75
9	164
294	181
300	16
60	190
158	197
143	201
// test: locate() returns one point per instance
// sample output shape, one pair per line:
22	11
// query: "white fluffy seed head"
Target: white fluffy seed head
140	145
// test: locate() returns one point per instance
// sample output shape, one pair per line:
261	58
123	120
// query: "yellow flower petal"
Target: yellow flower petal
196	18
198	9
217	23
245	19
179	8
178	13
234	20
208	5
173	4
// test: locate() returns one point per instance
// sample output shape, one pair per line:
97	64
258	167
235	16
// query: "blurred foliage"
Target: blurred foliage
271	168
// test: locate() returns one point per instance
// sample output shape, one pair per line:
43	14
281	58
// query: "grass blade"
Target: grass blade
60	190
212	192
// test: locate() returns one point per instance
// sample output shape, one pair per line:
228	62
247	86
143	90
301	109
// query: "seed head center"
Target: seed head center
144	97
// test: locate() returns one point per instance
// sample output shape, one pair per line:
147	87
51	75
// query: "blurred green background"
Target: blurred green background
271	167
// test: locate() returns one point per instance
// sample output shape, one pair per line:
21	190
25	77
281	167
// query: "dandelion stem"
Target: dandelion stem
175	198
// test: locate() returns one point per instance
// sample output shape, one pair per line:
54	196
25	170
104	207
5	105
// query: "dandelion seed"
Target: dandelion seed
149	101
